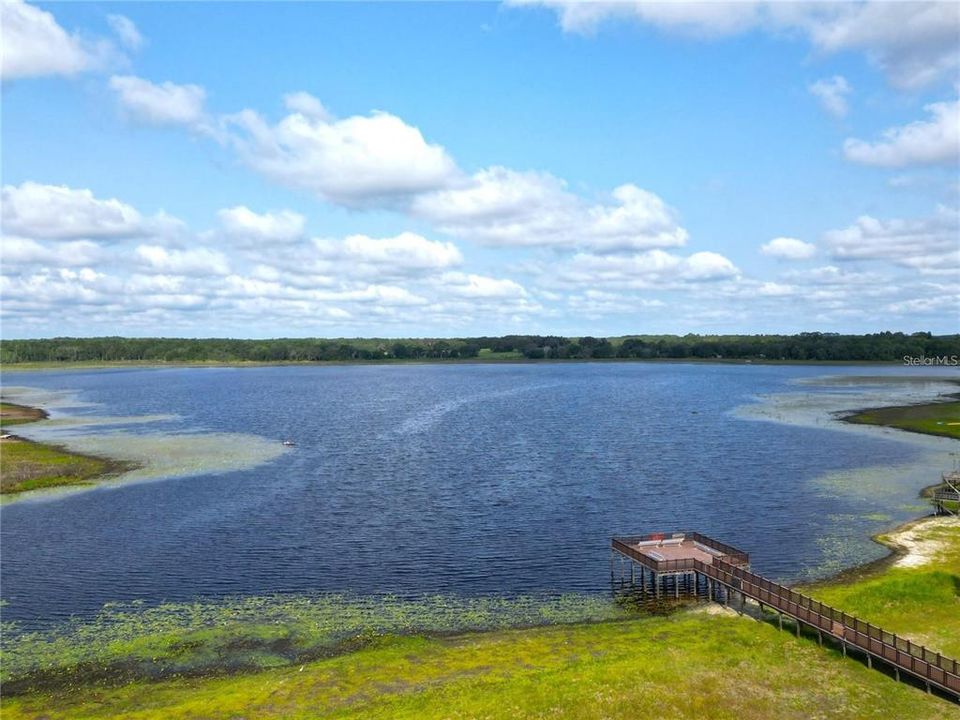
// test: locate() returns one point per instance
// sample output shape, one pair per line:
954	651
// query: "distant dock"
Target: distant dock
688	563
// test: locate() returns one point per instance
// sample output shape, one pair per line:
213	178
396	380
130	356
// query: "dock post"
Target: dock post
870	661
656	584
820	637
843	644
798	627
896	673
676	587
780	619
633	576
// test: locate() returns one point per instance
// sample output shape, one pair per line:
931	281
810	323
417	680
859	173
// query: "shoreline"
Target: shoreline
41	461
239	364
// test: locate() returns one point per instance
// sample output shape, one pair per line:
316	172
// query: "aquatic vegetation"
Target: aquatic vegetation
133	640
106	454
691	665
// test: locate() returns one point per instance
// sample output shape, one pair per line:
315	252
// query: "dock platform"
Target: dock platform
689	563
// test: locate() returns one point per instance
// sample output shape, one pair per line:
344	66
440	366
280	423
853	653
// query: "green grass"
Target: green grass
12	414
931	419
28	466
921	603
488	354
685	665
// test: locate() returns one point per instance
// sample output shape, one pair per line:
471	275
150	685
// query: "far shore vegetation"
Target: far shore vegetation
333	657
923	347
26	465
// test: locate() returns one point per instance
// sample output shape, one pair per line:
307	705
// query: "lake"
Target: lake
450	479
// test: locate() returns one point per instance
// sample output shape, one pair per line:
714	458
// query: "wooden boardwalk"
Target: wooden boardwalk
725	571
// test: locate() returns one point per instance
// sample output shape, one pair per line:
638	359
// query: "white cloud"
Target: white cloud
914	43
832	94
354	161
126	30
694	18
651	269
832	275
405	251
197	261
244	224
930	245
500	206
24	251
789	249
307	105
923	142
58	212
163	104
34	44
469	285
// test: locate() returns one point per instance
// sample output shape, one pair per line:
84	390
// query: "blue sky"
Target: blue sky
444	169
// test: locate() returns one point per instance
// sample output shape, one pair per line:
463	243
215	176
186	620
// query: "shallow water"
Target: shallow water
456	479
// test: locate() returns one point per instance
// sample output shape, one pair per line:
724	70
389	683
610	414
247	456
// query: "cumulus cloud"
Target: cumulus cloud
307	105
646	270
24	251
58	212
354	161
500	206
381	161
469	285
126	30
832	94
924	142
787	248
406	251
34	44
161	104
195	261
913	43
242	223
930	245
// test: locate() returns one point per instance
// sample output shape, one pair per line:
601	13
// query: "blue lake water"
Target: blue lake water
452	479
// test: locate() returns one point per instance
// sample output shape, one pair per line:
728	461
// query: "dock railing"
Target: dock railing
624	545
900	652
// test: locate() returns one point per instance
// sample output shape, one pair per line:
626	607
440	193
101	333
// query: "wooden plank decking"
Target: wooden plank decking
724	566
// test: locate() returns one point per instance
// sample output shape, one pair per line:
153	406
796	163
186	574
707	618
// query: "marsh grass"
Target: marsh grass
941	418
26	465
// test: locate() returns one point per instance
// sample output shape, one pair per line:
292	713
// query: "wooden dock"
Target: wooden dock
690	561
946	497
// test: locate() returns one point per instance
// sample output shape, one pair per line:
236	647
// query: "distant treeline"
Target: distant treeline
805	346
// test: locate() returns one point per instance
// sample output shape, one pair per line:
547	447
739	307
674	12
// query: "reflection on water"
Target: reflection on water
472	480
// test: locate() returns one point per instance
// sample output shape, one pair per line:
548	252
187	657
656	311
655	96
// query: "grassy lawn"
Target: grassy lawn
26	465
691	664
932	419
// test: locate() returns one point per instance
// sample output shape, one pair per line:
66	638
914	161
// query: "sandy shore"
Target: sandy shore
912	544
